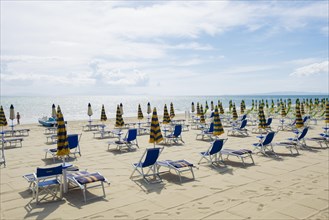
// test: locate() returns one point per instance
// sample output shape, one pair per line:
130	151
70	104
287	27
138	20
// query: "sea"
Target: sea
75	107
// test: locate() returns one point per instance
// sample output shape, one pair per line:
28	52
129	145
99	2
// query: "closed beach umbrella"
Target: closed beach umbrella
58	110
192	107
62	143
155	131
218	127
103	114
302	110
202	119
149	110
242	107
140	115
283	111
53	111
89	112
299	120
12	116
212	106
326	119
206	107
3	120
119	120
221	109
234	113
121	108
198	109
261	117
172	112
166	118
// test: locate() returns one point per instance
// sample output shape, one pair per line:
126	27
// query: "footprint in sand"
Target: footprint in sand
121	216
98	216
260	207
142	210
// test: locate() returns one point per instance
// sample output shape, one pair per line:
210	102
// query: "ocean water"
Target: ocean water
75	107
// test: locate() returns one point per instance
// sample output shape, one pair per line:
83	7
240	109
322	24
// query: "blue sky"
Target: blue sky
163	47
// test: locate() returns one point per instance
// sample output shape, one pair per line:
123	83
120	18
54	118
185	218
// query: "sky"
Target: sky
163	47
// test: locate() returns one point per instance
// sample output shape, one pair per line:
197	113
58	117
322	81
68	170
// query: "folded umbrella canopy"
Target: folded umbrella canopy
166	118
155	131
103	114
218	127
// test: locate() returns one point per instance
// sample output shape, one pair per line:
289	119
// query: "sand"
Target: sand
291	187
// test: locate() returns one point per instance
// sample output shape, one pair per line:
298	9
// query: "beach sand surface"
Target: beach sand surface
288	187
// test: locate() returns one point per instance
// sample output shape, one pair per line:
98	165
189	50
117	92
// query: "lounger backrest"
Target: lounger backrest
243	124
306	118
211	128
178	130
132	134
51	171
151	157
216	146
73	140
269	137
243	117
303	134
269	121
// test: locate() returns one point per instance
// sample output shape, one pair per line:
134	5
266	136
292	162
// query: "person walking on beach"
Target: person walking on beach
18	116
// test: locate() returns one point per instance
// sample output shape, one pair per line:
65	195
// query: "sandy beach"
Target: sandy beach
288	187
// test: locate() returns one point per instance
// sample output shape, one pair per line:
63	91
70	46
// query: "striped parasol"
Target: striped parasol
283	110
140	115
198	109
62	143
53	111
218	127
3	120
119	120
242	107
221	109
261	117
206	107
299	120
166	118
172	112
58	109
155	131
302	110
202	119
103	114
234	113
230	106
326	119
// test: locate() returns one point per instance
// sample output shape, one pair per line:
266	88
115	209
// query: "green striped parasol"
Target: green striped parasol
140	115
202	119
218	127
166	118
103	114
119	120
221	109
62	143
155	131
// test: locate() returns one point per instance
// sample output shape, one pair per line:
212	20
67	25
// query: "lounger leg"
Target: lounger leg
103	189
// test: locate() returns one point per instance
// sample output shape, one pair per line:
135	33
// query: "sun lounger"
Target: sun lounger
12	142
86	180
128	141
242	154
213	154
179	166
51	139
320	140
265	143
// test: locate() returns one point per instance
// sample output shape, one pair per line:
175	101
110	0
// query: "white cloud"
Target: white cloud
312	69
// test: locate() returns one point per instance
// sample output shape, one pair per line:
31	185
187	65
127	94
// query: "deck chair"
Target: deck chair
179	166
290	126
294	142
175	136
82	179
2	156
128	141
320	140
240	130
73	141
268	124
213	154
242	154
148	161
206	132
265	143
48	180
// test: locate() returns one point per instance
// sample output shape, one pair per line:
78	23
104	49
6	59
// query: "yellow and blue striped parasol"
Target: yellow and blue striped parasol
140	115
166	118
155	132
299	120
172	112
62	143
242	108
218	127
202	119
283	110
103	114
261	117
234	113
119	120
198	113
221	109
3	120
326	119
